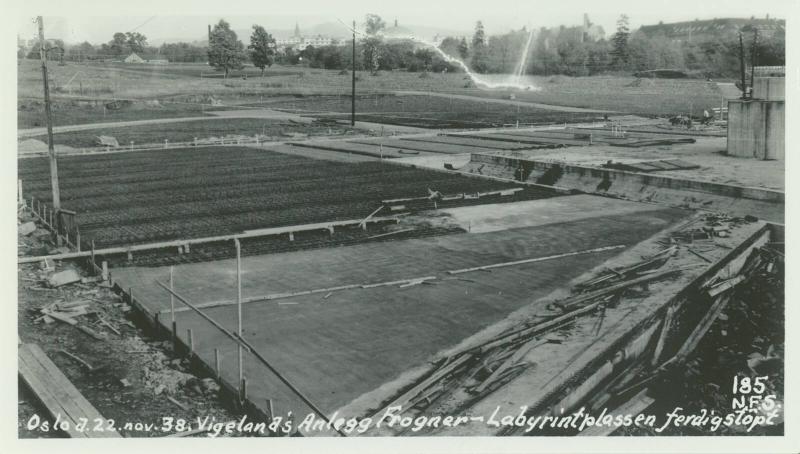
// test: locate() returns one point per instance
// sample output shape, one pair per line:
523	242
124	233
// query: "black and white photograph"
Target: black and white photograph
449	226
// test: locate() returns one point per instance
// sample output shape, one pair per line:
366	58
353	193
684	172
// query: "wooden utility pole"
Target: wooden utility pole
741	66
49	118
753	52
353	114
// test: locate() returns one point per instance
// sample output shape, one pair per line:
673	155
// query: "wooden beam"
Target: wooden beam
570	303
363	224
211	239
58	395
518	354
701	329
662	338
426	383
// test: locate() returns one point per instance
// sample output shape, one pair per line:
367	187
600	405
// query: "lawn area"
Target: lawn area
187	131
30	112
620	93
183	83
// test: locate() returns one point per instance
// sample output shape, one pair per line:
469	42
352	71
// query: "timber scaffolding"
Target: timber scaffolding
687	283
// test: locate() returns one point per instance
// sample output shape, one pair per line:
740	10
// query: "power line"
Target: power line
142	24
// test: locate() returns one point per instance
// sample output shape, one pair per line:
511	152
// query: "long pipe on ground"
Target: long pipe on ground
176	243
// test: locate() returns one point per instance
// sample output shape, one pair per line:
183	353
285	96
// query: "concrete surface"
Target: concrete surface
337	346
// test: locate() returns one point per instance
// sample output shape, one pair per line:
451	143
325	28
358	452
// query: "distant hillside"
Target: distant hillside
700	29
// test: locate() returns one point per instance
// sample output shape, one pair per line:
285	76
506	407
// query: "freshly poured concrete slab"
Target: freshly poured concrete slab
338	345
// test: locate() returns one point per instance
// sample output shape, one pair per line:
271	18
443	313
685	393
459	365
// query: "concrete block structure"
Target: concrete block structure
769	88
756	126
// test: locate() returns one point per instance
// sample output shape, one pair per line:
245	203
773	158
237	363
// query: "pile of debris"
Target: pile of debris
82	313
484	368
743	337
712	225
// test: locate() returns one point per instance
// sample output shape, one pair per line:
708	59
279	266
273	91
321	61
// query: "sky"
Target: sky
96	21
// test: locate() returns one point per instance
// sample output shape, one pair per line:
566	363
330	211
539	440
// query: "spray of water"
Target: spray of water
515	81
523	59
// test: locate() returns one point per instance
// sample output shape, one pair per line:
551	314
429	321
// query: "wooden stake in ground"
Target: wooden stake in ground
172	310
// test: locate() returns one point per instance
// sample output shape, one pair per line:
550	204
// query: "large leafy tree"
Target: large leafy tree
118	44
262	48
225	51
373	24
135	41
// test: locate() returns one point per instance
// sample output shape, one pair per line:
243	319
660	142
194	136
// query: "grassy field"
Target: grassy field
201	129
30	112
182	83
150	196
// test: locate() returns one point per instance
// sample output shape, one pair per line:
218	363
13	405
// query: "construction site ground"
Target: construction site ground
337	345
132	374
706	152
557	364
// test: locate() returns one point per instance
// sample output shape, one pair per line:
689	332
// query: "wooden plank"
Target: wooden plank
425	384
569	303
701	329
521	351
62	318
58	395
41	363
662	338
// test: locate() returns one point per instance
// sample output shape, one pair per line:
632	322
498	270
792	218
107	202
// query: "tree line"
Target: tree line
559	50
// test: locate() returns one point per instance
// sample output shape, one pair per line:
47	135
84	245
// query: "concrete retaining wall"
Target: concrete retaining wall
756	129
769	88
619	177
762	203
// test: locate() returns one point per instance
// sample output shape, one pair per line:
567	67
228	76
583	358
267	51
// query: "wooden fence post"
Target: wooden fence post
216	363
172	311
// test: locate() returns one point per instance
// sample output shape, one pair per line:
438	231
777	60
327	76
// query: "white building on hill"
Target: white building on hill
300	42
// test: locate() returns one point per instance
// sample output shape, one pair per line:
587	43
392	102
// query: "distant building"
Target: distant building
586	32
591	32
300	42
133	58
